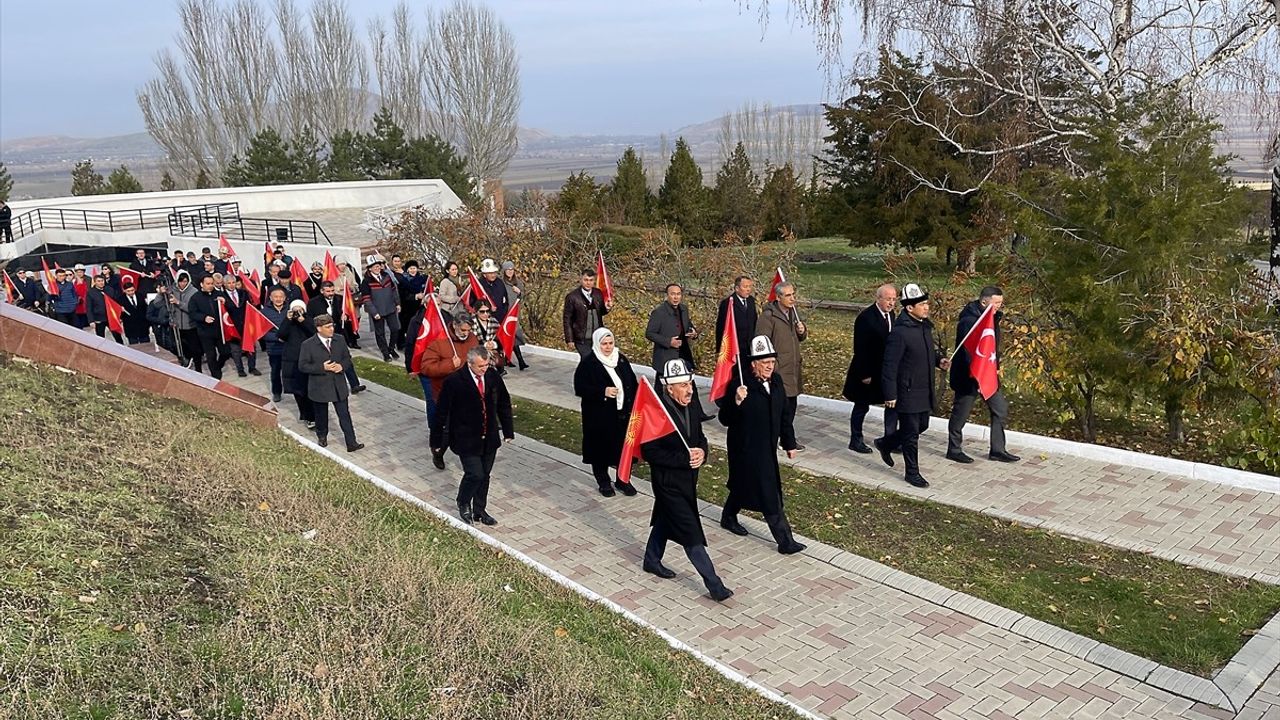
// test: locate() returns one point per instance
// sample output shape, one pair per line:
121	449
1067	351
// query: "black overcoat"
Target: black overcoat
604	426
870	331
909	360
466	424
961	380
322	385
675	484
755	429
134	318
292	334
744	321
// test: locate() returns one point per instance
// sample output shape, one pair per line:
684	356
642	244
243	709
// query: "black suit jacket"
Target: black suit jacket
318	306
909	360
744	319
870	331
462	423
322	385
205	306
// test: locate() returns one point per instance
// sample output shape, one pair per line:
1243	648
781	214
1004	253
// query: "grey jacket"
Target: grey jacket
664	324
181	316
381	295
322	385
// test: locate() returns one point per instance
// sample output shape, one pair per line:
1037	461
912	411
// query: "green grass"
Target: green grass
1182	617
152	564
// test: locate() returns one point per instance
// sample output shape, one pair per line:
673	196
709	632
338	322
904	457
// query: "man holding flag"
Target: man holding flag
667	433
975	370
584	311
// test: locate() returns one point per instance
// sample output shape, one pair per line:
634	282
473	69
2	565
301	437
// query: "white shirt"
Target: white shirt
327	342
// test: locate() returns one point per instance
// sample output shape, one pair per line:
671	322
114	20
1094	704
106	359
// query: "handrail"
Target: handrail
55	218
252	229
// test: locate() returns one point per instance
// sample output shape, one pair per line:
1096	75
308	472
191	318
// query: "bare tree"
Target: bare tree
473	81
400	66
772	136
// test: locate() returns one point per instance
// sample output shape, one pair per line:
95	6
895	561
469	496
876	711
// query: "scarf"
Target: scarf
610	361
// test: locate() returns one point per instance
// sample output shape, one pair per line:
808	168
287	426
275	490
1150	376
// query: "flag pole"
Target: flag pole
445	325
645	383
976	323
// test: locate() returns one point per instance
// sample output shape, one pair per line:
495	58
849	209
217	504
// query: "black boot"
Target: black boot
520	359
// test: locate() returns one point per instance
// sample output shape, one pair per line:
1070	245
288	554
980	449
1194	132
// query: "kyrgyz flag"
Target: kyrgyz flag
11	291
228	328
299	273
432	328
251	288
256	326
507	330
602	278
224	245
649	421
778	278
727	359
331	272
267	255
349	308
50	282
980	343
115	315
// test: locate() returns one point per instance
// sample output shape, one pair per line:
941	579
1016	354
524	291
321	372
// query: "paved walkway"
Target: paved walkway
820	627
1198	523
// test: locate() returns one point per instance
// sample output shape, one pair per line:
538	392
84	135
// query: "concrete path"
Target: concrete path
839	635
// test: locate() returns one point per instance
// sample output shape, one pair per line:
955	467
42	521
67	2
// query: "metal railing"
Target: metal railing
257	230
158	218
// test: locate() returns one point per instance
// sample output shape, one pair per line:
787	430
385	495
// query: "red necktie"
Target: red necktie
480	384
484	410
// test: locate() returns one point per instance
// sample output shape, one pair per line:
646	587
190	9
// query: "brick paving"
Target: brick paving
834	641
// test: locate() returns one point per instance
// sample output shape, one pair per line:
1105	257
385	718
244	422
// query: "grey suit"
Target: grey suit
324	387
665	322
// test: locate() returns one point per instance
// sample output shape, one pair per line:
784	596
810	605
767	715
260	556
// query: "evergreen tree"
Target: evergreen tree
122	181
349	157
304	157
266	162
85	180
629	192
203	181
737	194
6	183
782	204
432	158
387	146
579	199
683	201
166	182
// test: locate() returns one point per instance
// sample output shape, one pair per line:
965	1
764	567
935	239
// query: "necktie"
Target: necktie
888	320
480	384
484	409
326	345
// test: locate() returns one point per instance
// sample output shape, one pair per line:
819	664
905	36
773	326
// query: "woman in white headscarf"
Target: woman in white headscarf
607	385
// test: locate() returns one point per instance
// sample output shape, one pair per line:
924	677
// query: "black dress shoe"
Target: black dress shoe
791	548
322	441
799	446
734	527
358	389
1003	457
485	518
721	594
357	446
241	373
917	481
959	456
660	570
884	452
464	513
707	417
255	371
311	424
606	490
860	447
395	355
386	357
625	488
437	459
523	366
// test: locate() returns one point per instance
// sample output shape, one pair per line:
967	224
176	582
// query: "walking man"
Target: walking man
781	324
907	380
584	311
966	387
473	408
758	416
322	359
381	298
673	470
862	381
742	304
671	330
203	309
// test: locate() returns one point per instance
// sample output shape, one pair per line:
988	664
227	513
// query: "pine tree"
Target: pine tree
203	181
737	194
683	201
85	180
266	162
304	157
432	158
166	182
6	183
782	204
122	181
629	192
349	157
579	199
387	146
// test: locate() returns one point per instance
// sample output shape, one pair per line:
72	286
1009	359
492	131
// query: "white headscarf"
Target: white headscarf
610	361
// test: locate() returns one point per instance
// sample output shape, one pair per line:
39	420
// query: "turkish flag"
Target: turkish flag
115	313
229	331
778	278
980	343
728	358
299	273
132	274
432	329
475	291
224	245
11	291
256	326
349	308
51	283
649	421
331	272
602	278
507	330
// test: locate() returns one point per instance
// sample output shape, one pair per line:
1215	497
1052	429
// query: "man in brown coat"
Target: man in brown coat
441	359
584	311
780	323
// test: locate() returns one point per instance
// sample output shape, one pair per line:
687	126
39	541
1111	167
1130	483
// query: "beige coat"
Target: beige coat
786	340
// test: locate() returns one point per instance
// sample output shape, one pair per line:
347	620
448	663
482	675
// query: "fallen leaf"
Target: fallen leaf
310	534
320	671
118	628
139	628
1085	579
561	632
1053	608
88	599
264	506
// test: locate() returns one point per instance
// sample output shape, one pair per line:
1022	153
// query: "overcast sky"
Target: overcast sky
587	66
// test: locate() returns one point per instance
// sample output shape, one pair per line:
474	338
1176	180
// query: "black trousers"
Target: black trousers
321	410
380	335
601	472
7	231
277	374
998	405
907	438
583	348
190	345
68	318
237	355
307	409
778	525
215	355
860	413
473	491
101	329
697	554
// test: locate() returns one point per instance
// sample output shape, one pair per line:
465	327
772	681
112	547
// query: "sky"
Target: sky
587	66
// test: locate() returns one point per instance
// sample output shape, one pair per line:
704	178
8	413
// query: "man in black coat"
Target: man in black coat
236	300
584	311
203	311
862	381
674	460
743	304
31	294
328	302
6	221
95	305
758	416
141	264
966	387
671	330
137	329
907	380
321	358
473	408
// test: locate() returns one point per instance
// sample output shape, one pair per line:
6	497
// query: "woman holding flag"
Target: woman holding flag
607	386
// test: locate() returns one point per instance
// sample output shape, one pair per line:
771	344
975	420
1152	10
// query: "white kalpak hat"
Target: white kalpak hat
676	371
488	266
762	348
912	294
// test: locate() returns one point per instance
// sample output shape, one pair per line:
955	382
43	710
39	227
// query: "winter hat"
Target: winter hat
297	305
676	371
508	265
488	266
912	294
762	348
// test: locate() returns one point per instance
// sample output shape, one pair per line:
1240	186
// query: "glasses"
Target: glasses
482	312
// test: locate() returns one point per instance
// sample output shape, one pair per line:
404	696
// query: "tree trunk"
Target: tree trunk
967	260
1086	416
1174	429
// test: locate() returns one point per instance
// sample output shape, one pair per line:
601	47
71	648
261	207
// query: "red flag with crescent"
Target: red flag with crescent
228	327
432	328
507	330
980	343
778	278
